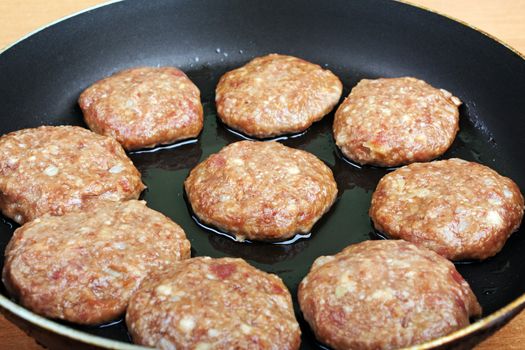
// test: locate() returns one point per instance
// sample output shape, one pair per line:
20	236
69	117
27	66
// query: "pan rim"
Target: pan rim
465	24
63	330
515	306
510	310
52	23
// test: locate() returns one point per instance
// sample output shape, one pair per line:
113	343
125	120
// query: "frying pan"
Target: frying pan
42	76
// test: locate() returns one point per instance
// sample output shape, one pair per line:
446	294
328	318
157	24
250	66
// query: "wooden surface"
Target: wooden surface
504	19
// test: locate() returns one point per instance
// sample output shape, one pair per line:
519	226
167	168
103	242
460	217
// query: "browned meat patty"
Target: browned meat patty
144	107
58	169
460	209
390	122
384	295
276	94
205	303
84	266
261	190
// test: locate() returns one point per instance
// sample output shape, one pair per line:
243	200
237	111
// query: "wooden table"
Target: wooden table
504	19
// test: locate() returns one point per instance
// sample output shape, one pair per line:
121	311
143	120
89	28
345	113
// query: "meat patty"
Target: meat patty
460	209
261	190
144	107
391	122
205	303
84	266
58	169
276	94
384	294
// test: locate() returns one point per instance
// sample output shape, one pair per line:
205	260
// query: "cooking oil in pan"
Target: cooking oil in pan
164	170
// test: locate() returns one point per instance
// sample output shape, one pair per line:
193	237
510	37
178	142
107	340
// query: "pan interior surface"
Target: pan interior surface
43	75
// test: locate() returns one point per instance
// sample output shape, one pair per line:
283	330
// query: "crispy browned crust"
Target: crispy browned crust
205	303
144	107
261	190
384	295
276	94
390	122
84	266
58	169
460	209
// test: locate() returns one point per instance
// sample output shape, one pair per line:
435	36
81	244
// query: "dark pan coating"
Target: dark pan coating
205	304
276	94
144	107
384	294
461	210
83	267
378	37
390	122
261	190
58	169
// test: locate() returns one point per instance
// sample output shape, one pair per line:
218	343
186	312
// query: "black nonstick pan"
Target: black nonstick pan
42	76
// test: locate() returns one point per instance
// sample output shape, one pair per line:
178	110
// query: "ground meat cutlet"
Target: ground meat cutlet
276	94
391	122
261	190
144	107
83	267
205	303
461	210
385	294
58	169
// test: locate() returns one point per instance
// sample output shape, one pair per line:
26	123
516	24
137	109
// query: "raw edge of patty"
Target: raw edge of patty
275	95
58	169
144	107
394	121
261	190
462	210
84	266
384	295
204	303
